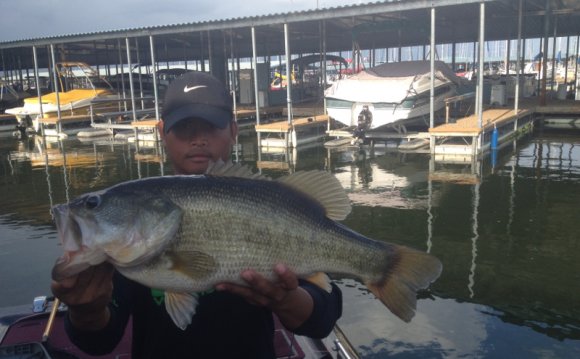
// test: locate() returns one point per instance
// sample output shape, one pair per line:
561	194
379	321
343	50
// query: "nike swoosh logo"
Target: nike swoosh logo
187	89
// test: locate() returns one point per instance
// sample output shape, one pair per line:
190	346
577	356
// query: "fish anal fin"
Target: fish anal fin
181	308
324	188
407	272
321	280
194	264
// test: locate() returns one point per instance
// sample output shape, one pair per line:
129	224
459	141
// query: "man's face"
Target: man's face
192	143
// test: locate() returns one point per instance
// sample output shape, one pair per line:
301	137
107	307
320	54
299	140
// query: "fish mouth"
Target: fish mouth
76	257
69	231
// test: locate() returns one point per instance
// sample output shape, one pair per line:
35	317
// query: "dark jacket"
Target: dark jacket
224	326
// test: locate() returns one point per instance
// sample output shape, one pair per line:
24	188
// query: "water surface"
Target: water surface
508	235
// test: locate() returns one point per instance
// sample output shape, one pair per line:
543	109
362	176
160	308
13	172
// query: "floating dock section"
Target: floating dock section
246	117
299	131
465	138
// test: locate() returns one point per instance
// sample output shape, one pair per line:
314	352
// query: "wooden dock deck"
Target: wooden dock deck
469	126
465	138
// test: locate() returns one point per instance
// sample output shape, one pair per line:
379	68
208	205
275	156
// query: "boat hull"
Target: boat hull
397	93
388	114
23	333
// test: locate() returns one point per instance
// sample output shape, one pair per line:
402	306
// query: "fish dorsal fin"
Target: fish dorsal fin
324	188
230	169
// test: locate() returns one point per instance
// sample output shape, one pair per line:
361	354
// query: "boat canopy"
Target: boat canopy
391	82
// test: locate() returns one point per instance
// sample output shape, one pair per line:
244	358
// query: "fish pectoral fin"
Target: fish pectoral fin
321	280
181	308
194	264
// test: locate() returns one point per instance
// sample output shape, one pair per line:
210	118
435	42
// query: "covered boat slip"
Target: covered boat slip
370	34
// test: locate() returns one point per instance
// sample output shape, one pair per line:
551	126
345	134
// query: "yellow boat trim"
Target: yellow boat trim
69	96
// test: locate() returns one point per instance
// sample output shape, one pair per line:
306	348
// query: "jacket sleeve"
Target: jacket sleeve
105	340
327	310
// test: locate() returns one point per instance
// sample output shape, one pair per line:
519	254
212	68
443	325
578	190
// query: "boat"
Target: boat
390	94
8	125
10	96
307	75
79	84
37	331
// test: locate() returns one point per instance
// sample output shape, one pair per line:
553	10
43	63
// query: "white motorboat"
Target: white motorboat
79	84
390	94
10	96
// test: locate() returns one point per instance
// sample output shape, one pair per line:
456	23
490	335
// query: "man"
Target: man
230	322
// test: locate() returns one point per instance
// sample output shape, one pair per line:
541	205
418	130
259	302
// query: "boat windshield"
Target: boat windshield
77	75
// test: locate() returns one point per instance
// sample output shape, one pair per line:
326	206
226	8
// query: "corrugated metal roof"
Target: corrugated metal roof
364	9
372	25
244	19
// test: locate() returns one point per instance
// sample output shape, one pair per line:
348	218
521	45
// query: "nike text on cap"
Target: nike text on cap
197	95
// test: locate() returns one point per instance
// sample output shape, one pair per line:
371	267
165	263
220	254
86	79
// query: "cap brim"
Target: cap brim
216	116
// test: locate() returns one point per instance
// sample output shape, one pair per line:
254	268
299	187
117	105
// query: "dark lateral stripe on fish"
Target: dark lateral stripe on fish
241	188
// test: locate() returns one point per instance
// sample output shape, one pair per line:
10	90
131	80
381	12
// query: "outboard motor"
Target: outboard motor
23	126
365	119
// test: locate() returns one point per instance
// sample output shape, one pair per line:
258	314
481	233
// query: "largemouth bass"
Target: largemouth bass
185	234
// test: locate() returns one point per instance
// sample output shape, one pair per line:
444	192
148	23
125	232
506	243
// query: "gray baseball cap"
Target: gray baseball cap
197	95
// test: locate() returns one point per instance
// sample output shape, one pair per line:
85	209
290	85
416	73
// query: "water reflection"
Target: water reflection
505	229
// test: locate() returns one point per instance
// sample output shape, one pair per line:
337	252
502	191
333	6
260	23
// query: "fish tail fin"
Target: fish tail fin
405	272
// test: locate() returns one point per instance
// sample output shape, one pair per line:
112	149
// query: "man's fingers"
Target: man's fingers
262	291
67	283
92	285
288	279
250	295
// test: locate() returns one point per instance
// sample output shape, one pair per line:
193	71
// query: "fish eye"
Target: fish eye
93	201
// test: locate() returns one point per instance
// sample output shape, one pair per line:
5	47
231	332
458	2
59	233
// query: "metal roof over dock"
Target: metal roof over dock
387	24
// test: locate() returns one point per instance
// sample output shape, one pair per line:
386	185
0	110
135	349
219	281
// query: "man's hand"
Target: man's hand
87	295
292	304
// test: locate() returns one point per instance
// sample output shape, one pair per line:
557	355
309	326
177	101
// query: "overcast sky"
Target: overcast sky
27	19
